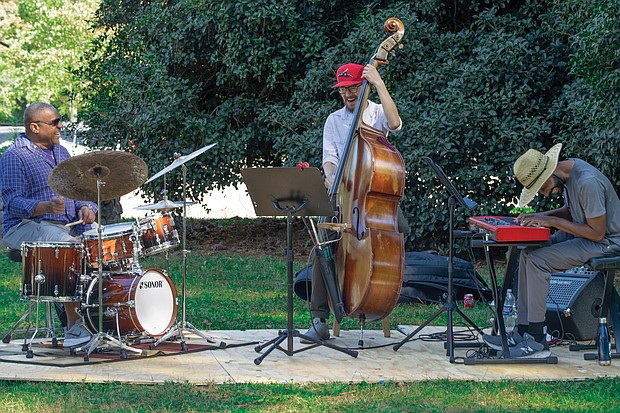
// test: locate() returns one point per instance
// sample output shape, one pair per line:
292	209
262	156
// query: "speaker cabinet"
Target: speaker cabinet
575	303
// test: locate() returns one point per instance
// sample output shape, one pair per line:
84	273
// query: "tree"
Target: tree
44	41
477	83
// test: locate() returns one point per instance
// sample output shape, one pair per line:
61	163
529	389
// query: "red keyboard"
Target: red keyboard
507	229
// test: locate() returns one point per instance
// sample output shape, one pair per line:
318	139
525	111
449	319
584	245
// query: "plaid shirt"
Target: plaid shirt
24	169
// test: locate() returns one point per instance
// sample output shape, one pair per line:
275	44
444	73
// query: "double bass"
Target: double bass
368	260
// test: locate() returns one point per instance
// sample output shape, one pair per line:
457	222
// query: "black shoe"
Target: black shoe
495	342
528	348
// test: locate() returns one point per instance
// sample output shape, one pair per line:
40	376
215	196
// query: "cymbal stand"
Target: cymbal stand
102	339
184	325
164	196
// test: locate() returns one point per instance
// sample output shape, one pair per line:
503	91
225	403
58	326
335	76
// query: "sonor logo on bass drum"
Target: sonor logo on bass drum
151	284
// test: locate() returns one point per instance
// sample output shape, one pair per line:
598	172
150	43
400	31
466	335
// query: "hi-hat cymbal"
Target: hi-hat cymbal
180	161
119	172
164	204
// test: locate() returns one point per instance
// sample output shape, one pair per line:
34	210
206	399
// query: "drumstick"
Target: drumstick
70	224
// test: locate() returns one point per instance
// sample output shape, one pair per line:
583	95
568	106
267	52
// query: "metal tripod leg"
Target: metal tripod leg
105	340
177	331
24	317
290	331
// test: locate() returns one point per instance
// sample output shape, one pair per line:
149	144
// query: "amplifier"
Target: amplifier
575	303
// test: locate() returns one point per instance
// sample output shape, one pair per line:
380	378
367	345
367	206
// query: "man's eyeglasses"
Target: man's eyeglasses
54	122
352	89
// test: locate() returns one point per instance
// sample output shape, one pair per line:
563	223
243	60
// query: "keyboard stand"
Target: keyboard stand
498	297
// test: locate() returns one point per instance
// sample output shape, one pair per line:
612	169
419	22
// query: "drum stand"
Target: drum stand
184	325
102	339
34	305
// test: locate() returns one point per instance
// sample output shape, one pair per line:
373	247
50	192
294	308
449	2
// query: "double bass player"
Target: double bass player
384	117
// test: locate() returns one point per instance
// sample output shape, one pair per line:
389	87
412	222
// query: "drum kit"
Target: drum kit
119	301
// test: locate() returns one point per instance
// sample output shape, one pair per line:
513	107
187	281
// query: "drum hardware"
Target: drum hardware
39	279
49	324
136	251
86	177
183	325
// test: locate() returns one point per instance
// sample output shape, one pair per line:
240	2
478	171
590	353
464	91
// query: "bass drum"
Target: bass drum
147	304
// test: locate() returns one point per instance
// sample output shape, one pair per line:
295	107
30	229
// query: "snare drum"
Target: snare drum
157	234
145	303
117	248
54	266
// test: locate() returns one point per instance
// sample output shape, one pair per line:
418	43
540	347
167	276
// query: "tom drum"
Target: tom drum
117	248
52	268
157	234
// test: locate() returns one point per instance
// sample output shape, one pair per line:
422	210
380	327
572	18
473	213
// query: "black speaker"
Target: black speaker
575	303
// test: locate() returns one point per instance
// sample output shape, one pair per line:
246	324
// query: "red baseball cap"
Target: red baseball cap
349	75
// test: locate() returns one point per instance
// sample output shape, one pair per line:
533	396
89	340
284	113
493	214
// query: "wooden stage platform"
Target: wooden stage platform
414	361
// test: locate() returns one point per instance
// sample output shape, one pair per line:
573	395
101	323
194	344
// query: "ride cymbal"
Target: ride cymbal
164	204
119	172
181	160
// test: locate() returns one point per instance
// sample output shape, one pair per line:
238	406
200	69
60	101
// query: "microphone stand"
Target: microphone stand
449	305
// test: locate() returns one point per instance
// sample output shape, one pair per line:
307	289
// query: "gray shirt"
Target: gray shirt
589	194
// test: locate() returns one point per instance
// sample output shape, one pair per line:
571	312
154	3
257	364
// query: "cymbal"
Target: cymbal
120	173
180	161
164	204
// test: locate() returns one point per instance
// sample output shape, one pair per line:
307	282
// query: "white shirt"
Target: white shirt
337	127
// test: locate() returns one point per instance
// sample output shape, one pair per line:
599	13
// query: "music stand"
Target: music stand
449	306
290	192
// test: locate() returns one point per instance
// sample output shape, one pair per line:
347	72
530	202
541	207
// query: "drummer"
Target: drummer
32	211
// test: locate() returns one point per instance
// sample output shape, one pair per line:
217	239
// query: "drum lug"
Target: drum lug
79	291
110	312
57	252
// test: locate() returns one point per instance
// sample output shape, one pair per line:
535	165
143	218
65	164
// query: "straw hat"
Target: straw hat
533	168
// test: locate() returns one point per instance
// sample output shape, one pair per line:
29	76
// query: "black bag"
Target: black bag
303	283
426	279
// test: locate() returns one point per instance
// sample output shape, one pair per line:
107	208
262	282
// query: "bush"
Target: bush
476	86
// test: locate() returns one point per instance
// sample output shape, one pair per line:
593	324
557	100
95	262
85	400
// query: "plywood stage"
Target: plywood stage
415	360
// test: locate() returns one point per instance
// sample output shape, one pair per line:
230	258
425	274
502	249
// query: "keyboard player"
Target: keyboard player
586	226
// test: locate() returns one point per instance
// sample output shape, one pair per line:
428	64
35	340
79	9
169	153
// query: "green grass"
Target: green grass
232	292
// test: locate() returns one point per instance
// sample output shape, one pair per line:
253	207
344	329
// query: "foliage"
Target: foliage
477	83
44	41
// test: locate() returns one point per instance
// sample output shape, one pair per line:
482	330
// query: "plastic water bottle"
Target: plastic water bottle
509	313
603	344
